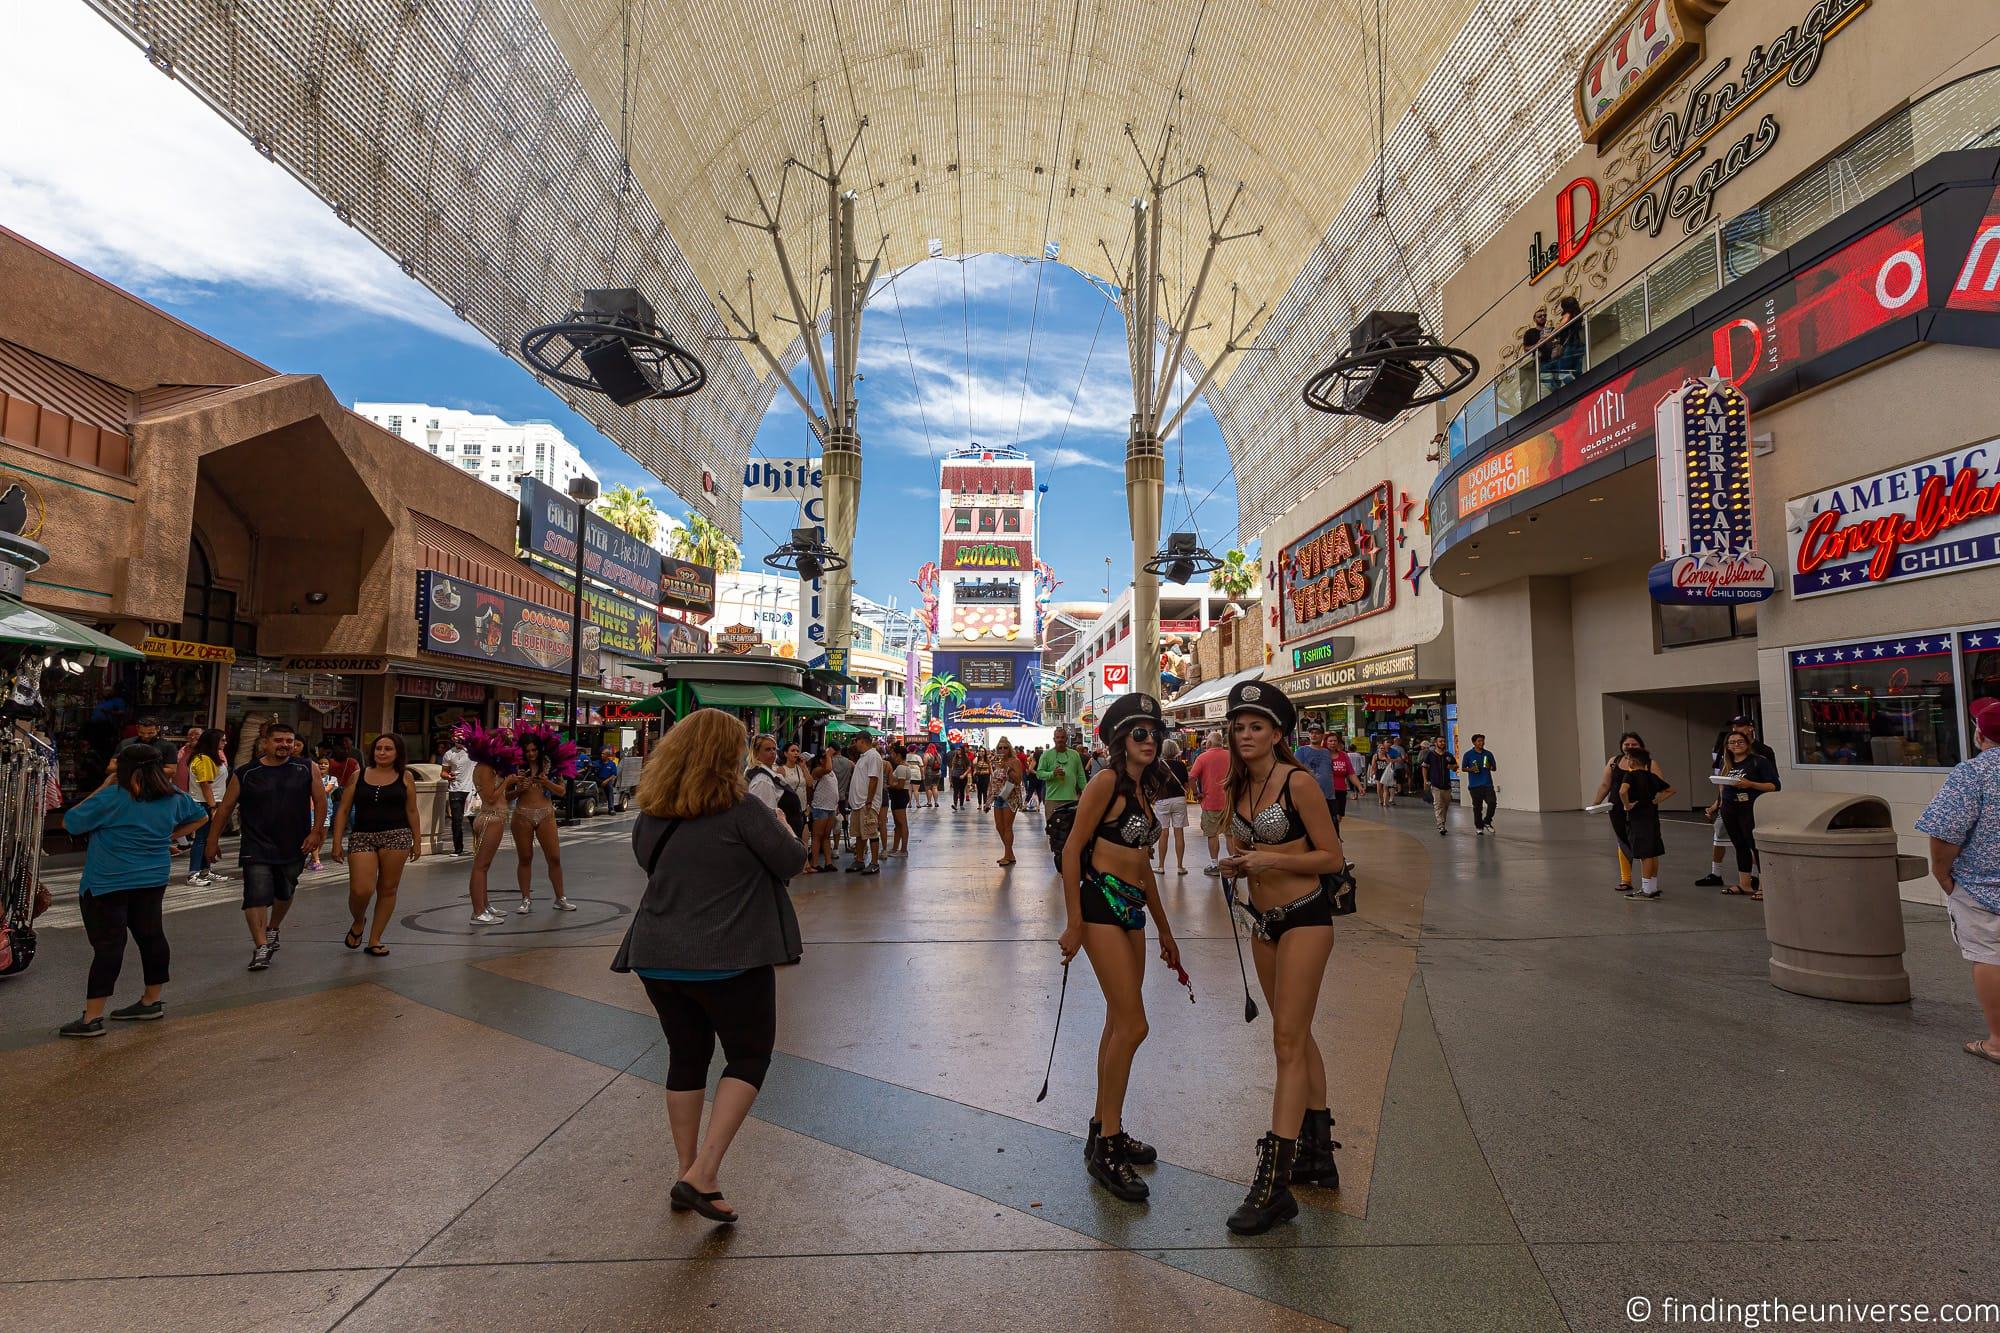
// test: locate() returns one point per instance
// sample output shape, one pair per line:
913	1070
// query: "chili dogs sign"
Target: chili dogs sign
1698	145
1937	516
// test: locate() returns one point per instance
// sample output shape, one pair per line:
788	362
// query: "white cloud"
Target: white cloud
121	170
950	282
1067	457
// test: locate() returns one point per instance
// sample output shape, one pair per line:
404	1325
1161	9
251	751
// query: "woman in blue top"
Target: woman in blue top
132	820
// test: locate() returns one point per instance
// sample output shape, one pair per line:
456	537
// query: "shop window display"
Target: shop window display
1877	703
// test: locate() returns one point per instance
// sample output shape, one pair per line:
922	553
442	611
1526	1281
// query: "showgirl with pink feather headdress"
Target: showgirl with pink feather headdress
494	747
561	754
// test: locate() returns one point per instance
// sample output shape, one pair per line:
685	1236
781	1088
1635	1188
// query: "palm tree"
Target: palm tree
1237	576
630	509
704	543
939	690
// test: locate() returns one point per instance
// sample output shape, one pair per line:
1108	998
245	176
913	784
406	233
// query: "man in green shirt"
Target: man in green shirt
1061	772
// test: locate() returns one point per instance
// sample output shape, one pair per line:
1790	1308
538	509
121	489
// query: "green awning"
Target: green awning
837	727
654	703
734	694
21	623
801	702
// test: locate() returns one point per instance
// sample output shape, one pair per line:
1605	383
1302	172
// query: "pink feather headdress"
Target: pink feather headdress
494	748
562	754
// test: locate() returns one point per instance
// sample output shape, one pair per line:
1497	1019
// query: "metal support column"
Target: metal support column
1153	379
835	423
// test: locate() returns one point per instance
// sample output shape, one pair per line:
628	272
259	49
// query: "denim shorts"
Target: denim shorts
264	884
819	814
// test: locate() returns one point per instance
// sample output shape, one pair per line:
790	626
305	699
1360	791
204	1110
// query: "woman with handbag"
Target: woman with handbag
1281	837
1006	796
1108	887
707	936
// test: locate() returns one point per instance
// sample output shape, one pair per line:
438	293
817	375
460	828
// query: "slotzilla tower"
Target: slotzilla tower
986	632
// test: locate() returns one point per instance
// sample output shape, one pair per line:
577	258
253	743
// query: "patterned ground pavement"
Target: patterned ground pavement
1553	1101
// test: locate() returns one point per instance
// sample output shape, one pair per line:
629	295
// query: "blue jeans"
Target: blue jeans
198	854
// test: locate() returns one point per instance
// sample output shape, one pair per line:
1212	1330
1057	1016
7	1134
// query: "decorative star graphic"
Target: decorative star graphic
1415	574
1427	518
1408	505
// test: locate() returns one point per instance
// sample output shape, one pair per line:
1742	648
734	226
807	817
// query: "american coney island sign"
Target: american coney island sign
1937	515
1701	143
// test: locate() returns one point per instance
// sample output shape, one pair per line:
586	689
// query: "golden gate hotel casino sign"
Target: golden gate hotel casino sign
1698	147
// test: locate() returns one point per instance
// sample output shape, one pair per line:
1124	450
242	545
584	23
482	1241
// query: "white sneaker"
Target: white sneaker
525	904
199	880
1212	870
489	917
565	905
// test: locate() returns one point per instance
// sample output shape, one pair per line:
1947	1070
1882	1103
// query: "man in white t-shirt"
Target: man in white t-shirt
864	800
458	772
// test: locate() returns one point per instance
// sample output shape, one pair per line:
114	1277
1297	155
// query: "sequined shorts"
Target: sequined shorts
1109	901
388	840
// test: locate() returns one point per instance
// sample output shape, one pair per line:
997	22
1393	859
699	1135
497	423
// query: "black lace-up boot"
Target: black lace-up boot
1137	1153
1270	1199
1315	1164
1105	1159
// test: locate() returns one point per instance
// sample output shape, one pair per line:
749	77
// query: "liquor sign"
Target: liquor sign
181	650
464	619
1387	703
1707	529
1342	570
1640	58
1872	281
686	586
1936	516
1387	669
610	554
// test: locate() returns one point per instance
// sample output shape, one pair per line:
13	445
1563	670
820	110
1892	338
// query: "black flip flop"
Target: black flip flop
352	939
377	951
688	1196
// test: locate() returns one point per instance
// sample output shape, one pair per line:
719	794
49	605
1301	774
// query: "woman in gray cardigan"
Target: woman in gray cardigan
715	920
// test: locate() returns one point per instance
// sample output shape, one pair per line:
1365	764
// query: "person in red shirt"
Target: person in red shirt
1208	778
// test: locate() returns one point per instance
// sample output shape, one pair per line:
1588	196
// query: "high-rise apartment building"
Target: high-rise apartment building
495	451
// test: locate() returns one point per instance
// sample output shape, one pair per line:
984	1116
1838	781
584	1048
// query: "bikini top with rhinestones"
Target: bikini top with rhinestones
1276	823
1137	829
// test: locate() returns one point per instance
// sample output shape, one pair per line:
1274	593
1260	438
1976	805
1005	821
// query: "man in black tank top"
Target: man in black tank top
283	812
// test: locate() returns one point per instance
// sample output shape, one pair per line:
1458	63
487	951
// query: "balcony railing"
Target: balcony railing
1961	115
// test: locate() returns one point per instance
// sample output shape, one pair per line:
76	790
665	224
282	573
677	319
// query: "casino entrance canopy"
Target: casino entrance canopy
481	144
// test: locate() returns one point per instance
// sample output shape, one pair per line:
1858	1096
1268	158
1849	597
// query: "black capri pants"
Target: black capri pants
741	1010
107	917
1739	821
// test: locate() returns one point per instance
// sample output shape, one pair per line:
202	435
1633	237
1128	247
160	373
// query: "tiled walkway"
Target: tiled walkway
1553	1100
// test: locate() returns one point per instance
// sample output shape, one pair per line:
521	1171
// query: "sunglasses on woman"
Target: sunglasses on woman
1143	734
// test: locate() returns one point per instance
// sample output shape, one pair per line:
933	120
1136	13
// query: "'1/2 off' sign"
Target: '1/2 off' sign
797	479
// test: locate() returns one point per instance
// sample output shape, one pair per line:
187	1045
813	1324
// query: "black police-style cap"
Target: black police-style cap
1124	711
1253	696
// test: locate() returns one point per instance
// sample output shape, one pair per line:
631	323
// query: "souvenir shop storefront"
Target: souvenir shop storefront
768	694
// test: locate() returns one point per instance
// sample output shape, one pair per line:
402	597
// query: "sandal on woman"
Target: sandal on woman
1755	895
353	940
687	1196
377	951
1982	1050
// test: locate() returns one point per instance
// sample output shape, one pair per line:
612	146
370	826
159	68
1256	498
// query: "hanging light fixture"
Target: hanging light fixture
806	555
615	347
1181	558
1391	366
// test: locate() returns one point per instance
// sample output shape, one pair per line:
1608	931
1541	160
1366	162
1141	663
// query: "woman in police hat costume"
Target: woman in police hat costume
1108	886
1281	838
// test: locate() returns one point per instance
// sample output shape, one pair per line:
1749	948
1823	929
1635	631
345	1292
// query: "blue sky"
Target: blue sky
132	178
